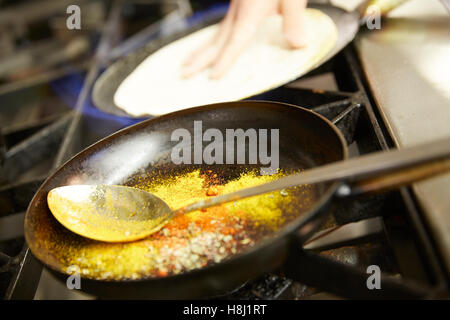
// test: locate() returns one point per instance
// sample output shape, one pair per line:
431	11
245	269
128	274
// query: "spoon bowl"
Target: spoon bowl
107	212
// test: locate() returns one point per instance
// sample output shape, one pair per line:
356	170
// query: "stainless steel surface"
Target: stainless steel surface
408	69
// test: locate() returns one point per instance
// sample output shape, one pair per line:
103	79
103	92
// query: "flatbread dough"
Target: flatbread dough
156	87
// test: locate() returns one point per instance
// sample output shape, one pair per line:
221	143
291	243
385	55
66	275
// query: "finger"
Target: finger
293	22
245	26
200	61
203	57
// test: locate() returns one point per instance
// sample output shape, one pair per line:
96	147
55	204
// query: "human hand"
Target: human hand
236	29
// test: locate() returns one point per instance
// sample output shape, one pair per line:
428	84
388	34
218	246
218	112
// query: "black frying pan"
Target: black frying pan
306	140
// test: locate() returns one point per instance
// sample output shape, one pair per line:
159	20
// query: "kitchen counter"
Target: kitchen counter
407	64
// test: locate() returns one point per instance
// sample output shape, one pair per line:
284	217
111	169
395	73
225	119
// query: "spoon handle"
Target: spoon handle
369	166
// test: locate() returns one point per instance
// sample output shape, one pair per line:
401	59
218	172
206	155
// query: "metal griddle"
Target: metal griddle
106	86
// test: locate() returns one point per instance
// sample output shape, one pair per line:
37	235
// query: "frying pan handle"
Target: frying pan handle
383	5
313	269
394	168
393	180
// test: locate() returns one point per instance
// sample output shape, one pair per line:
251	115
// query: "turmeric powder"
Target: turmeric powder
189	241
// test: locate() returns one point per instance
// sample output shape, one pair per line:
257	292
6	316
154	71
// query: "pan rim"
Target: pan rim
284	232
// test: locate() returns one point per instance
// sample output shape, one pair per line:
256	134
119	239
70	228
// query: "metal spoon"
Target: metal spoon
118	213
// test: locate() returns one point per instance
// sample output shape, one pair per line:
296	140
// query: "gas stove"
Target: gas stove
47	117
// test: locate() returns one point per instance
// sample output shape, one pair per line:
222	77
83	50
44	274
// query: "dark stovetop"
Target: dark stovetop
40	129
